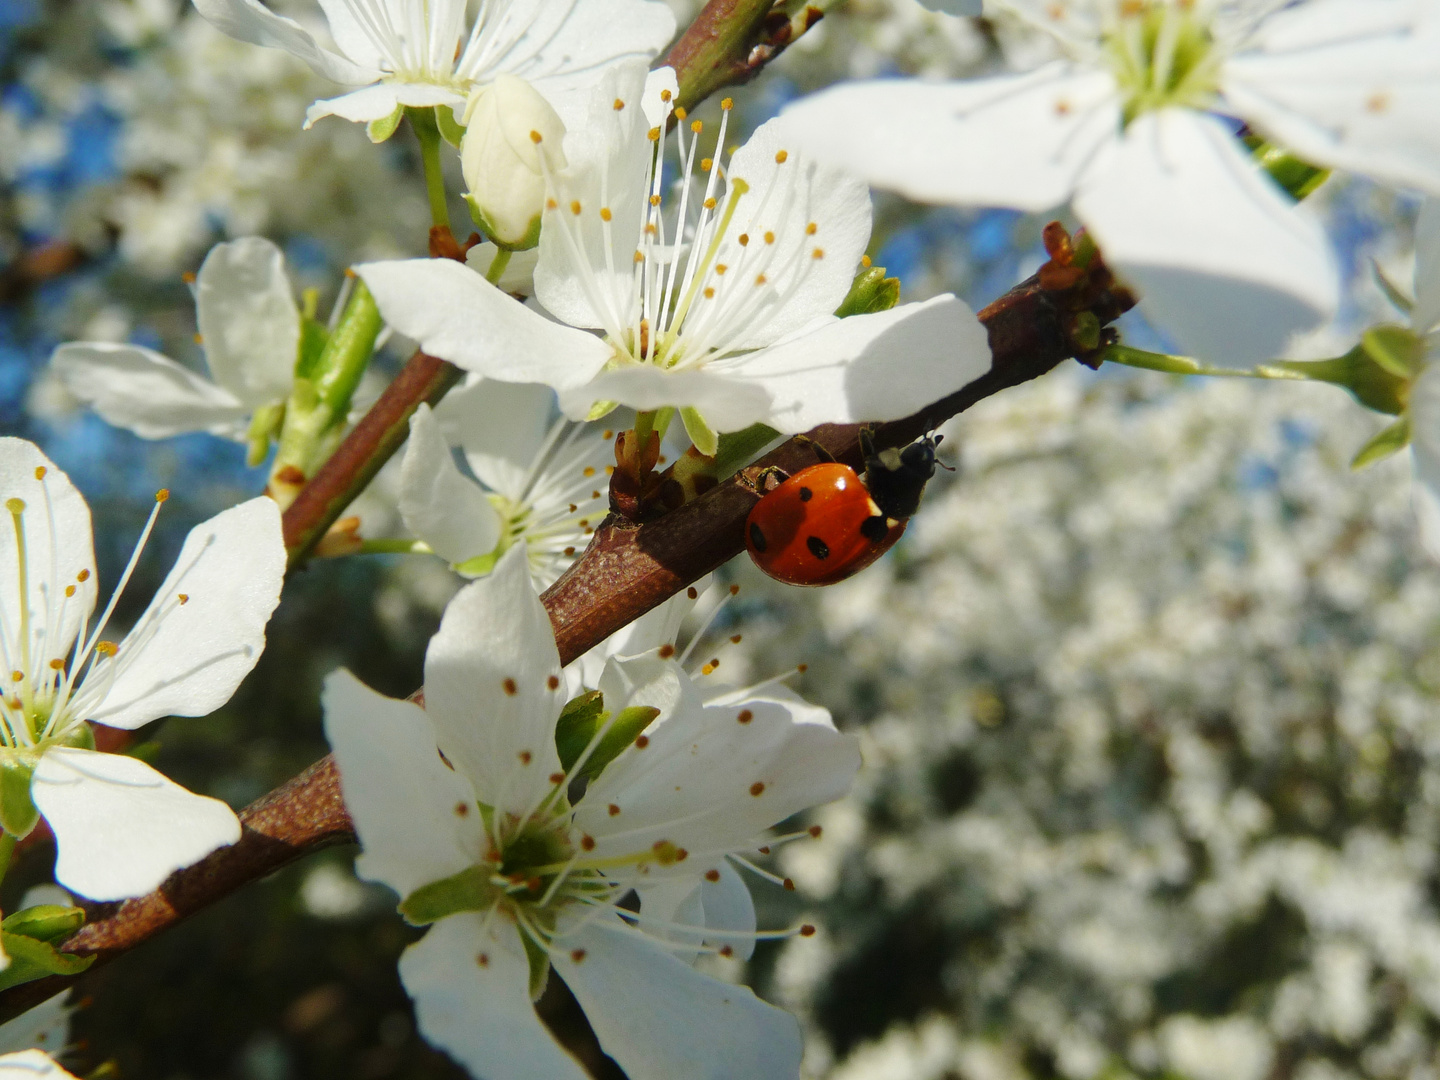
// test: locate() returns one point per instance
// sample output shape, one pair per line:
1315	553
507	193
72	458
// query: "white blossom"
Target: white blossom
427	52
544	479
250	330
1136	129
723	309
121	827
484	843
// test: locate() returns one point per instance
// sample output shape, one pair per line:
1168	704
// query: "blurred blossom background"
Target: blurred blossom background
1149	694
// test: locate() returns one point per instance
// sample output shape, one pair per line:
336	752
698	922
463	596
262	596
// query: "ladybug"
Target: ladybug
823	524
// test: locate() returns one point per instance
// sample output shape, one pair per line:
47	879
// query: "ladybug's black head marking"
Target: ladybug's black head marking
896	477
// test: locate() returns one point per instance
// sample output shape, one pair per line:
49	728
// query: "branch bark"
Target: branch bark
626	571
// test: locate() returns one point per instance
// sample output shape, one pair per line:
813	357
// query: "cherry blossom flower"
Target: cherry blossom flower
1132	129
121	827
544	481
250	330
723	309
484	844
421	52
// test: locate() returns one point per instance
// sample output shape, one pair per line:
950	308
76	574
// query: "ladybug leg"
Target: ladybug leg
770	478
815	448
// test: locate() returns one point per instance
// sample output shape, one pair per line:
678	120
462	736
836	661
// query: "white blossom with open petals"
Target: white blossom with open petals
1130	130
723	309
121	827
428	52
484	844
542	479
250	330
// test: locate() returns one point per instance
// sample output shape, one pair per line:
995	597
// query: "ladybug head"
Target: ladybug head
896	477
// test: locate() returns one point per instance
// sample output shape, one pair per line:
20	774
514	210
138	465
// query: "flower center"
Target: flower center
1163	54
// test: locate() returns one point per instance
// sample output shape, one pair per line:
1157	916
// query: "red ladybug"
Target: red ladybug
823	524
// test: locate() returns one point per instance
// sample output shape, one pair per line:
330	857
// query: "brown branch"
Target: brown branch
627	570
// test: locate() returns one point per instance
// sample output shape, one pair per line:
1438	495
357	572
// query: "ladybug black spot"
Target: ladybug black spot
818	547
757	538
806	494
875	528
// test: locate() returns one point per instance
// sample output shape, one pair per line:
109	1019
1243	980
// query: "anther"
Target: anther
639	256
781	156
576	955
709	669
162	495
818	253
575	207
569	551
587	843
107	648
744	239
667	651
706	164
482	959
769	237
199	339
618	105
17	676
642	741
814	832
802	668
613	809
605	214
757	788
727	103
734	590
462	809
654	134
589	470
693	593
574	507
665	95
83	575
553	682
40	472
720	269
727	951
654	200
510	688
764	850
188	277
551	204
735	639
69	590
184	598
806	930
865	260
744	716
709	292
760	279
57	665
557	778
697	126
710	203
810	229
789	885
15	506
525	757
680	112
712	875
535	137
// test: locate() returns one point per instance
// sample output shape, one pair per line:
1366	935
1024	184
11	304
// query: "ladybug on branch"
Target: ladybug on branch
824	524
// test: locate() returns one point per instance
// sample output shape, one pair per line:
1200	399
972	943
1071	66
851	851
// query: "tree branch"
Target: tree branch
626	570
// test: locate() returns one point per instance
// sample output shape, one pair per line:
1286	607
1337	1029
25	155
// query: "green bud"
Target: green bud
469	890
18	814
45	922
871	291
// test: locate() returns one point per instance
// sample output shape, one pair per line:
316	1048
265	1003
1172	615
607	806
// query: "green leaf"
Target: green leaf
1395	348
31	959
701	433
382	129
1393	438
18	814
579	720
469	890
45	922
451	130
871	291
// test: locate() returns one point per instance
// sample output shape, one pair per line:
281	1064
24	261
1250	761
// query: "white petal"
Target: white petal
727	402
957	142
1348	85
248	319
500	426
58	550
440	505
379	101
186	657
47	1025
661	87
565	47
675	902
785	199
1425	452
660	1019
728	906
142	391
479	1012
1426	314
867	367
658	626
249	20
457	315
416	818
1222	259
121	827
352	32
487	686
709	782
30	1065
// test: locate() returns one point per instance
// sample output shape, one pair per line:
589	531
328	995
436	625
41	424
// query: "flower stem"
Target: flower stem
396	546
498	265
644	425
1184	365
428	134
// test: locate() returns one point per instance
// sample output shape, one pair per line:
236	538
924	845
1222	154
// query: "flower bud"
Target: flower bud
508	127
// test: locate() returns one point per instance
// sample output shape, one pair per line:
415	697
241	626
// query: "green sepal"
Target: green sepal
600	410
32	959
1394	348
739	448
1374	385
45	922
1391	439
623	731
578	722
479	565
525	243
1392	291
871	291
539	961
701	433
80	737
313	336
265	425
469	890
1298	177
18	814
382	129
451	130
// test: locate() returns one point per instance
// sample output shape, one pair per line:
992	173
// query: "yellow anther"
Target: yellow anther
654	134
665	95
18	676
760	279
744	239
184	598
710	203
697	126
818	253
706	163
107	648
864	260
605	214
188	277
709	292
769	237
651	230
720	268
57	665
575	206
654	200
551	204
15	506
199	339
810	229
727	103
589	470
781	156
618	105
39	472
535	137
69	590
83	575
162	495
639	256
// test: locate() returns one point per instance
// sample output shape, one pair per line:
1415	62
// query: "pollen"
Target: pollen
553	682
589	470
667	651
818	253
551	204
107	648
577	955
709	203
184	598
69	590
510	688
680	112
654	200
709	292
651	230
162	495
811	228
744	239
769	237
574	507
618	105
525	757
575	207
587	843
760	279
605	214
535	137
706	164
757	788
654	134
199	339
744	716
609	470
613	809
727	103
17	676
84	575
40	472
665	95
781	156
639	256
709	669
642	741
57	665
720	268
696	126
865	260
